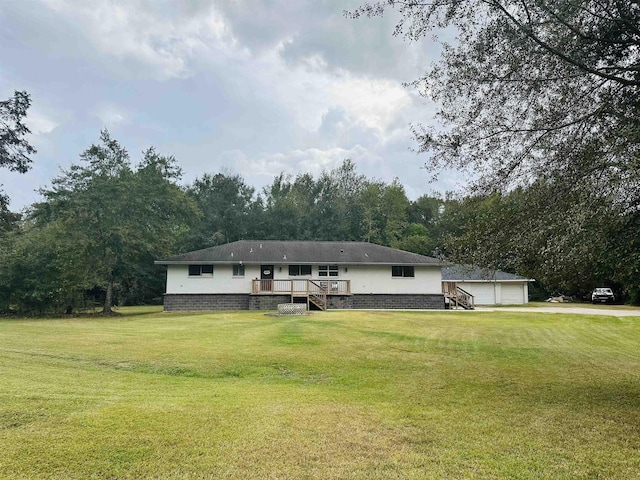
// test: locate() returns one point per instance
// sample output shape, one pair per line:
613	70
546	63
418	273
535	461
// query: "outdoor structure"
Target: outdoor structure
487	287
259	275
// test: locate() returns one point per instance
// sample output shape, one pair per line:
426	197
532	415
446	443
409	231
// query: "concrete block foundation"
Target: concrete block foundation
202	302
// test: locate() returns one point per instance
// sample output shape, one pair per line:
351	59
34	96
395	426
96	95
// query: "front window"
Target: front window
406	271
328	270
200	270
297	270
238	270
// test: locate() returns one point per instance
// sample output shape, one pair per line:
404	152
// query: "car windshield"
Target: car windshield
604	291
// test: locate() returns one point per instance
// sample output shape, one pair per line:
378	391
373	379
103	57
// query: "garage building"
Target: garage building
488	287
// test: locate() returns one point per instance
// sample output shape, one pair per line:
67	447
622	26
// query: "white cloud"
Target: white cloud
43	134
308	91
164	40
111	115
312	160
39	123
375	103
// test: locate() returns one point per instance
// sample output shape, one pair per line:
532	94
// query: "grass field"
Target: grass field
333	395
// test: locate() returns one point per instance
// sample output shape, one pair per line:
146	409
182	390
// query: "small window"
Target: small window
402	271
296	270
238	270
328	270
207	269
199	270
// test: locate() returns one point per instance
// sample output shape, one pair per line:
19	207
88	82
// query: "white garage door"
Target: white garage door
512	293
484	293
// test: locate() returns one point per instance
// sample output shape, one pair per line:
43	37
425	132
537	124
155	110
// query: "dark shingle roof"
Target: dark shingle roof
297	252
454	272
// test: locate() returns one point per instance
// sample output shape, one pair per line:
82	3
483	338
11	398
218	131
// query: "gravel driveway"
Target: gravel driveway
611	312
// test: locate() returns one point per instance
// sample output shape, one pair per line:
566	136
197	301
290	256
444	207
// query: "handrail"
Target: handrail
463	291
466	299
301	286
317	295
461	297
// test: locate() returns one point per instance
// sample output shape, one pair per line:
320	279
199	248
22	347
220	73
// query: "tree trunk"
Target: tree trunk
108	299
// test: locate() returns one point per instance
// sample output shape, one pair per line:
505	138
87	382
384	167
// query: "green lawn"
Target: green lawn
332	395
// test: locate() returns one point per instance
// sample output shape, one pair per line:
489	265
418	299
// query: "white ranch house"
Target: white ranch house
259	275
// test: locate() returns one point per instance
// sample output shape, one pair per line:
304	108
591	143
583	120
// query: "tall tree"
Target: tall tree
349	185
224	201
118	219
425	210
384	214
338	204
394	212
416	239
372	224
421	235
14	148
327	208
287	204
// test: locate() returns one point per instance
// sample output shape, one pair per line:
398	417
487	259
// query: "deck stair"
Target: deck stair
457	296
317	292
311	292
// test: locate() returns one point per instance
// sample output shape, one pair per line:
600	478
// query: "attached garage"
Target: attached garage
515	293
489	287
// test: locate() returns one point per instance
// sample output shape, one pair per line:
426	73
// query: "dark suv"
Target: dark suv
602	295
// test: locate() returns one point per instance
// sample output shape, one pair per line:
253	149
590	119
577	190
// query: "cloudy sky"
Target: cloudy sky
254	87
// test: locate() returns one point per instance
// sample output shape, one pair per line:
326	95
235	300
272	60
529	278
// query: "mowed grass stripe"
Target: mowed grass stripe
331	395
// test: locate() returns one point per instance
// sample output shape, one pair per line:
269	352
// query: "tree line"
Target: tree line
93	238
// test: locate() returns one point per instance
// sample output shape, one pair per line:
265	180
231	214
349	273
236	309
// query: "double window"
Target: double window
327	270
238	270
403	271
201	270
297	270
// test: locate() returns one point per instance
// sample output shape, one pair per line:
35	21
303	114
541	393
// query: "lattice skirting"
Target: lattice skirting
292	308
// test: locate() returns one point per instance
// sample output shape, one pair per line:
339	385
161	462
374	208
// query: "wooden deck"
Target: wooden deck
315	291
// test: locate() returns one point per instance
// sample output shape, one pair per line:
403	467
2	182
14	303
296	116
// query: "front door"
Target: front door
266	278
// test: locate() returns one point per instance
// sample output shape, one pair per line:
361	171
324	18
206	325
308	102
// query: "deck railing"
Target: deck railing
458	296
301	287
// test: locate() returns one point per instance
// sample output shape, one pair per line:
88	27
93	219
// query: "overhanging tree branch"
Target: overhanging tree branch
556	51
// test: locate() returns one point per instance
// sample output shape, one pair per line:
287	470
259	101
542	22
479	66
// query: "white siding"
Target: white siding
497	292
513	294
222	281
364	279
378	279
483	293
